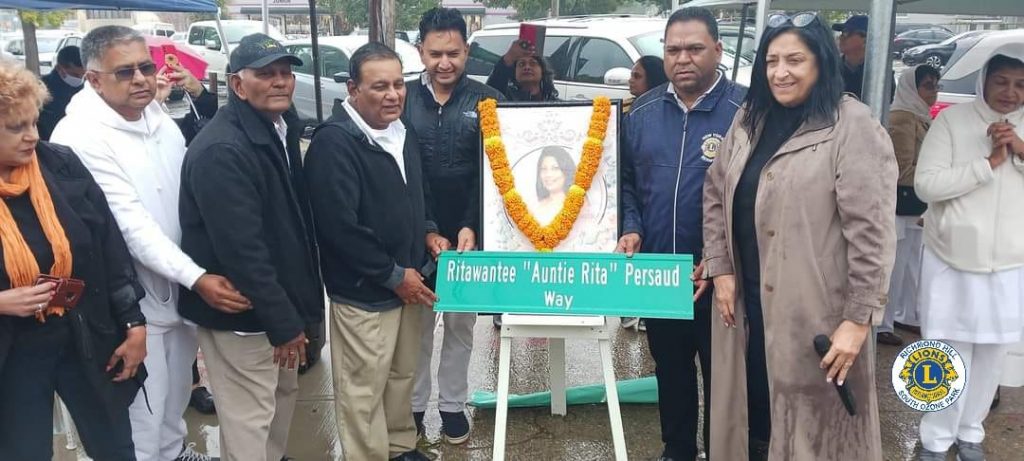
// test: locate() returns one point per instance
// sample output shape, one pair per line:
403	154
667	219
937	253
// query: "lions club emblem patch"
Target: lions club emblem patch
710	145
928	375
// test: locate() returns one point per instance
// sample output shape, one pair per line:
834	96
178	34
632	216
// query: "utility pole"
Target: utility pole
382	22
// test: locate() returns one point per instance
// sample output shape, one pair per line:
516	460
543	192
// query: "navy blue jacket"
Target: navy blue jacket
665	155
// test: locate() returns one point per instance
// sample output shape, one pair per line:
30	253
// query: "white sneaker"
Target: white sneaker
630	322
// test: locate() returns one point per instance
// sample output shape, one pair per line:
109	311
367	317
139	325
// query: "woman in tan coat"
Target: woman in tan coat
799	239
909	119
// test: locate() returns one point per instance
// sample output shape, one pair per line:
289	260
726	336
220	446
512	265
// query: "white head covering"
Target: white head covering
1013	50
907	97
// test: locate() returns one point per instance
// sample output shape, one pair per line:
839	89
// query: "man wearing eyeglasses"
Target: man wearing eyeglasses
135	150
245	210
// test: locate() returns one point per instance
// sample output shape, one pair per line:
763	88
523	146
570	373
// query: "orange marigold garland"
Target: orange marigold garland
544	238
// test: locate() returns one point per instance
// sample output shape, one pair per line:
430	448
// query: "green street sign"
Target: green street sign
646	285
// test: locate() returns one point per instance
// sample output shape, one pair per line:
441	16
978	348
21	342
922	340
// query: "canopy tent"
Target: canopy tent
184	6
986	7
878	64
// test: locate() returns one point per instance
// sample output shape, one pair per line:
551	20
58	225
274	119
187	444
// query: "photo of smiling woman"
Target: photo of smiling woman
555	173
799	238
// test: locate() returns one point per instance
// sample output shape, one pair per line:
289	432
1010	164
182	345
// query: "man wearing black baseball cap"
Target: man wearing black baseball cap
245	213
852	41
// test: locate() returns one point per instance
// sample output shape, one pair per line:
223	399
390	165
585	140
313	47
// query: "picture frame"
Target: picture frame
544	144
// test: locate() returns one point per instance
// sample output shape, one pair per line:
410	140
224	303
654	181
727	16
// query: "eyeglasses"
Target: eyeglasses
797	20
123	75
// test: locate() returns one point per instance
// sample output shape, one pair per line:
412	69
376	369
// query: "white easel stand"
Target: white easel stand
556	329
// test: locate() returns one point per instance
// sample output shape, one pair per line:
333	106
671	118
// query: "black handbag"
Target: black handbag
907	202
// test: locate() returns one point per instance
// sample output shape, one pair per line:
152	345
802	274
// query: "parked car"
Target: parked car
918	37
180	37
590	55
937	54
905	26
204	37
159	29
960	77
49	42
335	53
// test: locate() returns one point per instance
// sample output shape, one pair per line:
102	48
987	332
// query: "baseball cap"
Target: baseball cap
855	23
259	50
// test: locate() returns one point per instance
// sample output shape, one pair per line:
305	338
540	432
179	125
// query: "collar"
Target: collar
394	128
257	128
711	95
429	85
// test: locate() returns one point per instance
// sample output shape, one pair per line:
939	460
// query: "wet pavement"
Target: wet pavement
584	433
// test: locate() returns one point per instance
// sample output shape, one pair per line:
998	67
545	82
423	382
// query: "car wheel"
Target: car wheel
934	61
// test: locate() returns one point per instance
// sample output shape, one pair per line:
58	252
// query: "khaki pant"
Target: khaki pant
374	357
255	398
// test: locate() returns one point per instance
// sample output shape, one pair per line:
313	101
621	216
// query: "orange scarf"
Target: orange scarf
21	265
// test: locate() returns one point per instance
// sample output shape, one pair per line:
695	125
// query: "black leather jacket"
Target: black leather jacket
451	150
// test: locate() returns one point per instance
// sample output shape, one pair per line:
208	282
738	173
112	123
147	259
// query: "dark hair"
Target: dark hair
548	92
372	51
695	13
923	72
100	39
442	19
654	70
826	93
69	56
565	164
1001	62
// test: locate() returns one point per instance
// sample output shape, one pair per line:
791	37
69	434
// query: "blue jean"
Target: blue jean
44	360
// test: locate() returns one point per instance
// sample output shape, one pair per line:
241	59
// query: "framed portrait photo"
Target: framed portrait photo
544	148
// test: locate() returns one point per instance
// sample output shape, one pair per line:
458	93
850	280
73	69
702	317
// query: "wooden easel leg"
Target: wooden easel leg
612	395
556	363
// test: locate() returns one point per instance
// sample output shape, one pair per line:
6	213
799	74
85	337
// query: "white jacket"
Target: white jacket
139	170
974	222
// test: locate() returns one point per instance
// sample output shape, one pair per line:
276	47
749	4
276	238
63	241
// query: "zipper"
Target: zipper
679	175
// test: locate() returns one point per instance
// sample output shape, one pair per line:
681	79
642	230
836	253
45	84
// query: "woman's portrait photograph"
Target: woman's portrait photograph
544	145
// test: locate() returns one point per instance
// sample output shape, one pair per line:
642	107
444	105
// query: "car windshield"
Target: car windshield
649	44
235	31
411	62
47	45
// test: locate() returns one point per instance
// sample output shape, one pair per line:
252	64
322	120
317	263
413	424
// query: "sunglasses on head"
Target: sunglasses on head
123	75
797	20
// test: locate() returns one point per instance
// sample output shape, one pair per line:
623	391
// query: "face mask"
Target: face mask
72	81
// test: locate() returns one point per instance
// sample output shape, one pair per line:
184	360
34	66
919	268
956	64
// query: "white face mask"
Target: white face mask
72	81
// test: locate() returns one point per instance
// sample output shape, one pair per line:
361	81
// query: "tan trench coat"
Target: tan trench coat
826	233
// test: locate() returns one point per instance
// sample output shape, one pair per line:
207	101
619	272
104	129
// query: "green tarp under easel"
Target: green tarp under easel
641	390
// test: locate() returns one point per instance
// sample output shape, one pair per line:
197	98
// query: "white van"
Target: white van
159	29
205	39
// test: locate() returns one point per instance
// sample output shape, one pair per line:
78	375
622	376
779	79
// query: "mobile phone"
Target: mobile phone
67	293
532	35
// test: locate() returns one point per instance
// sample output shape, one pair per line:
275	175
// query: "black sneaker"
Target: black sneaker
413	455
417	416
202	401
454	427
188	454
889	338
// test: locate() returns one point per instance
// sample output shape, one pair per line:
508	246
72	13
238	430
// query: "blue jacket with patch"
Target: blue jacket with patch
665	155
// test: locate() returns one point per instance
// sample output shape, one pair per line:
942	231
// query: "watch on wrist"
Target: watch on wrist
133	324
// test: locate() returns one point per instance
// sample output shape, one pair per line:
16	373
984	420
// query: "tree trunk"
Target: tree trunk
382	22
31	48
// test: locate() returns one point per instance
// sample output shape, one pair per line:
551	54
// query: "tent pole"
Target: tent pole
739	41
313	32
265	11
762	18
878	62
